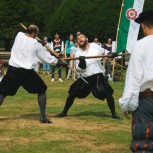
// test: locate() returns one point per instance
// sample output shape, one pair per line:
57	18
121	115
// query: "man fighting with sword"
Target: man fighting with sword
25	54
92	79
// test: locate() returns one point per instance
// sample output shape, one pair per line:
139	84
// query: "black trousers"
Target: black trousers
16	77
99	87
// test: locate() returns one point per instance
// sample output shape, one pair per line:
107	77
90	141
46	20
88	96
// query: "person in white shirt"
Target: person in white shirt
58	46
73	51
96	41
91	70
25	53
45	66
2	71
138	92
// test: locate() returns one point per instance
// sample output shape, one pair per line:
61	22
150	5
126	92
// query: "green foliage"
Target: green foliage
148	5
93	17
98	17
13	12
47	8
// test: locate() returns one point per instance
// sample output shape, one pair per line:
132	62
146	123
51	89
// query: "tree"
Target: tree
12	13
98	17
93	17
48	8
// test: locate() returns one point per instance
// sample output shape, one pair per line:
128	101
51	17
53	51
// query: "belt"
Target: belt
146	93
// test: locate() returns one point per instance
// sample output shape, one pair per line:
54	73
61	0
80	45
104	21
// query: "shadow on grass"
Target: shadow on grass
36	116
91	113
26	116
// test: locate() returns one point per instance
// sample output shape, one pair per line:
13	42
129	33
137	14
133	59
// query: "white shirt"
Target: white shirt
59	46
93	65
74	49
139	75
1	75
27	52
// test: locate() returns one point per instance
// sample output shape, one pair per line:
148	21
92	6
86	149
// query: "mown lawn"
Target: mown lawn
88	128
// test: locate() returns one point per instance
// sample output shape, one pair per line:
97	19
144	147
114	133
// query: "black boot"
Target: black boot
62	114
44	120
116	117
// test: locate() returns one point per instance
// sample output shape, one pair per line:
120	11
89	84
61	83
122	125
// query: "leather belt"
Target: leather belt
146	93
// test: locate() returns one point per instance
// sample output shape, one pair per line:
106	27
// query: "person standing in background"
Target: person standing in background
2	71
73	51
68	44
58	46
46	67
108	64
77	34
97	41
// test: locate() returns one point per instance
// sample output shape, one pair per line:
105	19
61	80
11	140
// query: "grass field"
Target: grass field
88	128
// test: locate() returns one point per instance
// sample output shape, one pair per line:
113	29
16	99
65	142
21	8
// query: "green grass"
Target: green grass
88	128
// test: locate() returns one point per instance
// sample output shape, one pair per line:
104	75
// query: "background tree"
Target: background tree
93	17
47	8
12	13
98	17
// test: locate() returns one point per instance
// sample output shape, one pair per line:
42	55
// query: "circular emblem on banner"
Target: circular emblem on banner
131	14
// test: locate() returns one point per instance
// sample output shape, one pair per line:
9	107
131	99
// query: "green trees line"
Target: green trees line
93	17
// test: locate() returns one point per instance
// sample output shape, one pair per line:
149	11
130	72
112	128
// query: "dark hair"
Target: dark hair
32	29
56	33
83	34
69	39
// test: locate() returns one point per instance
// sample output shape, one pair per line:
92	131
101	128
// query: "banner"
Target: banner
128	29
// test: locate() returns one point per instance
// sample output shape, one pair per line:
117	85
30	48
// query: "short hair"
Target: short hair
83	34
145	17
32	29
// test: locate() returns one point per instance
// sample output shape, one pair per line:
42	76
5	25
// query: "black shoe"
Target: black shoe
45	120
61	115
116	117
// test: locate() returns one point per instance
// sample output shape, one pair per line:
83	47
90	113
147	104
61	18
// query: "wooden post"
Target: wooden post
113	70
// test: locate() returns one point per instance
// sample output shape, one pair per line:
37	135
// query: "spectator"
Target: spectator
2	71
46	67
108	46
96	41
73	50
78	33
68	44
58	46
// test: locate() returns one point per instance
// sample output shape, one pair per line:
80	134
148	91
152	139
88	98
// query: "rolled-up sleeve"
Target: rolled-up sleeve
129	100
